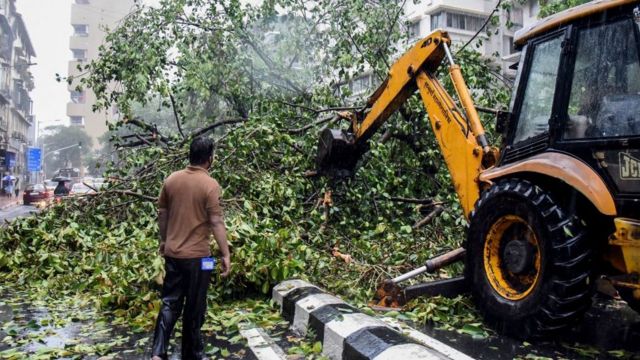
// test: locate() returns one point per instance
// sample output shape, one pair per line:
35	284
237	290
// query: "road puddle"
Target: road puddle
35	329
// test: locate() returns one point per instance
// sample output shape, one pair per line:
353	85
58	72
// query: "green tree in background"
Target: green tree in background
550	7
58	137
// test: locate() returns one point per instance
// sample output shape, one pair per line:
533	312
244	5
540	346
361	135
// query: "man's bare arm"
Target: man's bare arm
220	233
162	225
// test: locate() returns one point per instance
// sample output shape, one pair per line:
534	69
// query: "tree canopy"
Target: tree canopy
65	137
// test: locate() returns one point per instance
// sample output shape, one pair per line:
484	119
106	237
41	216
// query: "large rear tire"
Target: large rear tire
528	261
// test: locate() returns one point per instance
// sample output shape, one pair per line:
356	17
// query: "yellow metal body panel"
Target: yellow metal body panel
566	168
467	103
456	135
400	83
458	146
627	238
567	16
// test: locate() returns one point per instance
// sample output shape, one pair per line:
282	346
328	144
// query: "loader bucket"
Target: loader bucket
337	155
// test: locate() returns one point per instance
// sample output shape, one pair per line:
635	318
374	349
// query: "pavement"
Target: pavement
13	211
9	202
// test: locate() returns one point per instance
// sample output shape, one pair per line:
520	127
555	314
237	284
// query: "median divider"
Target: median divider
345	332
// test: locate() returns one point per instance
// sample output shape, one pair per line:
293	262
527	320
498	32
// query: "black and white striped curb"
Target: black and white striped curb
261	344
348	334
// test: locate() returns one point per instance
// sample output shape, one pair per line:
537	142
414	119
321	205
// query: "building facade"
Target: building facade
89	19
16	118
462	19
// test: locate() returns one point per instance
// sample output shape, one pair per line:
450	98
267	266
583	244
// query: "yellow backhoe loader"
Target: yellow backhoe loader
559	203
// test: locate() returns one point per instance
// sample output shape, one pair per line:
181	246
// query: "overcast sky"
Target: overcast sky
49	26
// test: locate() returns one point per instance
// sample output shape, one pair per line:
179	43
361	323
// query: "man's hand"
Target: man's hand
220	233
226	266
161	249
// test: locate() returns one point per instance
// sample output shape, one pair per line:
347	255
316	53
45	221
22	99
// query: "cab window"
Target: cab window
539	92
605	92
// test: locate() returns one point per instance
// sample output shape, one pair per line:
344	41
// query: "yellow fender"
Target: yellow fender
563	167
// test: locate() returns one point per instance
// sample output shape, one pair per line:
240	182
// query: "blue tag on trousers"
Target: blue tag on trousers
207	264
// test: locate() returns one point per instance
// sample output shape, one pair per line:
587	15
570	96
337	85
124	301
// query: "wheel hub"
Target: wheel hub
518	256
512	257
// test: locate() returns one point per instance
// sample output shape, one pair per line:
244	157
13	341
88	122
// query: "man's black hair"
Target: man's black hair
200	151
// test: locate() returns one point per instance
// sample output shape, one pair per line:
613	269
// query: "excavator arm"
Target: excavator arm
459	133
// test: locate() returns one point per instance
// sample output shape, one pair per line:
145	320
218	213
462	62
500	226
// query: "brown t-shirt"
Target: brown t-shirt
189	196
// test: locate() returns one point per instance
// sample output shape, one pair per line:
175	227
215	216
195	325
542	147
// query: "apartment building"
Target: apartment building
16	81
462	19
89	19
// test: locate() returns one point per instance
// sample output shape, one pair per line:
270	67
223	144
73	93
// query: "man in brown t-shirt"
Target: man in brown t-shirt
189	212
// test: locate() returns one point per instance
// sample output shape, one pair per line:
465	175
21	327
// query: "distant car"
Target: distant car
50	185
35	193
79	189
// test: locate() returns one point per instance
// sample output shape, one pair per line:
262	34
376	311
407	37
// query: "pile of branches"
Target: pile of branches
397	211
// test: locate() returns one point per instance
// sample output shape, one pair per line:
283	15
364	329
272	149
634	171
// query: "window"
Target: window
538	95
605	92
413	30
79	54
507	46
534	8
80	30
76	120
515	17
5	72
456	21
77	97
5	46
438	21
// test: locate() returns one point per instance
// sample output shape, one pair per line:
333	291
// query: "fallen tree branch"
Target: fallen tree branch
175	114
211	127
320	111
124	192
143	125
328	119
437	210
413	201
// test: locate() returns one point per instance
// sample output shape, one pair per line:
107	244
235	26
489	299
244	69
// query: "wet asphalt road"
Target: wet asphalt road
610	330
31	329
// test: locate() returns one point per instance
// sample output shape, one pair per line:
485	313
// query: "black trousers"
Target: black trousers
185	286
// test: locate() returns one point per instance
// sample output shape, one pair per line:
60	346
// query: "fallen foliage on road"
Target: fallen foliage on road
227	83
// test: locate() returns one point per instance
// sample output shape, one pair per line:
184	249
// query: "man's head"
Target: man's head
201	152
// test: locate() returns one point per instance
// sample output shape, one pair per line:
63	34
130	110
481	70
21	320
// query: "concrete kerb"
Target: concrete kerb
346	333
261	344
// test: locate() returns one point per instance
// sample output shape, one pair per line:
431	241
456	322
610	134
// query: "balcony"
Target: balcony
4	125
22	102
19	136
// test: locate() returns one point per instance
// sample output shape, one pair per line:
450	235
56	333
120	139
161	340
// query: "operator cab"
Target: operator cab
578	92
